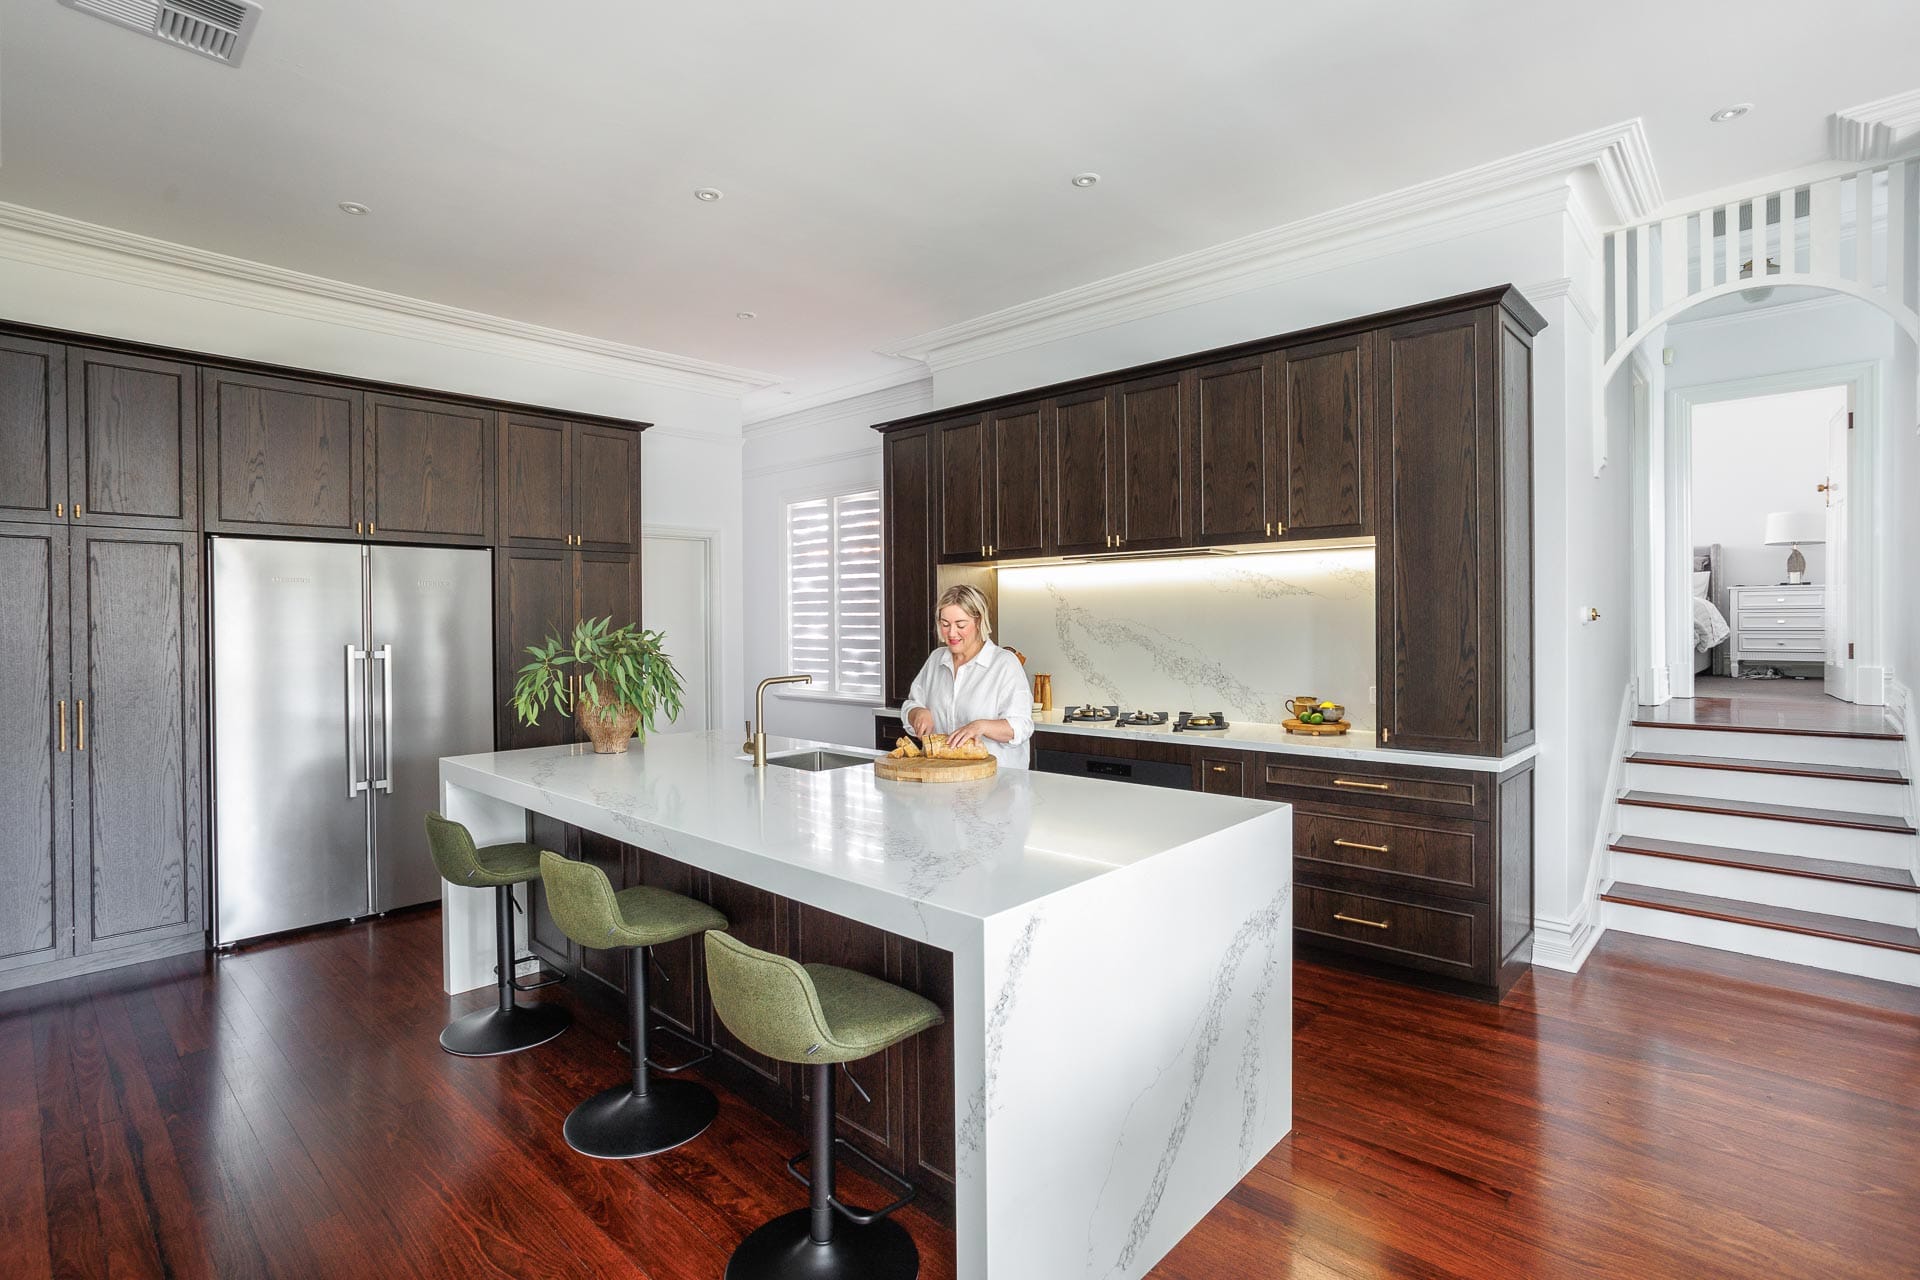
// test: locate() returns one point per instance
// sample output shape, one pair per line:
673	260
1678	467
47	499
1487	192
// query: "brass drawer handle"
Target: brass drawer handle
1370	786
63	724
81	707
1371	924
1219	768
1355	844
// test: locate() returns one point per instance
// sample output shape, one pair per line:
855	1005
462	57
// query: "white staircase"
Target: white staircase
1794	844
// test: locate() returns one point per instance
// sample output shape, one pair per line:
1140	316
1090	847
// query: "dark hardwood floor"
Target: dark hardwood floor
286	1112
1759	713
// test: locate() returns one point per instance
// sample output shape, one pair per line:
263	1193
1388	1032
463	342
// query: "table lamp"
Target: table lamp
1790	529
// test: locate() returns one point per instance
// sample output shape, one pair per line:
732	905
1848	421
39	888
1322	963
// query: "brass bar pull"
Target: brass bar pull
76	511
1219	768
1368	786
63	724
1279	530
81	708
1371	924
59	511
1355	844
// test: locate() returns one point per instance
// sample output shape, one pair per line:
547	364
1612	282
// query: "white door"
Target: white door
676	597
1839	674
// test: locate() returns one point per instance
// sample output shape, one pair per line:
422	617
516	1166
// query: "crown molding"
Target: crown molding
865	454
1488	195
1544	291
1875	130
909	391
45	239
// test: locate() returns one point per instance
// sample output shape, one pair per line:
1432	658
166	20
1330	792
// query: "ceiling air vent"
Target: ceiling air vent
216	29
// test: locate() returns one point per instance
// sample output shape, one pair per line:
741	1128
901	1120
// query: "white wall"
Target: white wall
1581	522
691	472
1899	481
1754	457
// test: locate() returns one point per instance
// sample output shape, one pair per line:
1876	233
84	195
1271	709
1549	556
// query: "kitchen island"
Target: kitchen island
1122	962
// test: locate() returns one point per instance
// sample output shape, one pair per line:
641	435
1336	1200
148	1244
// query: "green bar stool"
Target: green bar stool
647	1116
510	1027
818	1016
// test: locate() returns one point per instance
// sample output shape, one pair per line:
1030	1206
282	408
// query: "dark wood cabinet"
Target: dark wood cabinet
606	585
1081	444
1319	484
1016	481
1453	560
36	746
546	591
909	516
759	919
132	440
430	474
568	484
1149	494
871	1122
139	843
33	430
960	466
606	488
1235	458
282	456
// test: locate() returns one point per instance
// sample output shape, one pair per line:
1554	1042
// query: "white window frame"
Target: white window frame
830	690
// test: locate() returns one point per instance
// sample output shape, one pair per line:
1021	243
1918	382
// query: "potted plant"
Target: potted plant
624	679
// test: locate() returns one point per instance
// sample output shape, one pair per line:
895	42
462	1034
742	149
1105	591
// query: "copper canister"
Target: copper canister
1043	691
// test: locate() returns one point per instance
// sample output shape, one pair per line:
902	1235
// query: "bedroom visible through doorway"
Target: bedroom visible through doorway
1769	526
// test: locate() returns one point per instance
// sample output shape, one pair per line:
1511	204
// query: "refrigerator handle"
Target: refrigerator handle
385	781
355	784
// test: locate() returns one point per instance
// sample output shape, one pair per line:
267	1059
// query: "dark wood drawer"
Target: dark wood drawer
1223	775
1424	855
1449	938
1447	792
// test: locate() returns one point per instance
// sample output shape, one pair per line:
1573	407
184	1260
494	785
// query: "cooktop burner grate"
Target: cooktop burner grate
1201	722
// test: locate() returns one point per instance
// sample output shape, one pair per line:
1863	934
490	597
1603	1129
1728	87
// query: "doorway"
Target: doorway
678	597
1767	541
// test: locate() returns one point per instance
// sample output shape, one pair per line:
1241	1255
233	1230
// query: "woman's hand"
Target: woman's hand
979	731
920	720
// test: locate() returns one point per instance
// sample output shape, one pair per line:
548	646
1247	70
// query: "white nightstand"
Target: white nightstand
1777	624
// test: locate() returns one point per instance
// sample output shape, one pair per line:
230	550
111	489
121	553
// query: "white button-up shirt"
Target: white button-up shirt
991	687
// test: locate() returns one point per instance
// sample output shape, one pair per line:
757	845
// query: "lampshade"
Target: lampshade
1784	528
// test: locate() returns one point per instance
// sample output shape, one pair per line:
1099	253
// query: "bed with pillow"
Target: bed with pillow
1710	630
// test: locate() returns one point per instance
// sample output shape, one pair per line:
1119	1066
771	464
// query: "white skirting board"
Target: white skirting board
1900	707
1566	944
1772	944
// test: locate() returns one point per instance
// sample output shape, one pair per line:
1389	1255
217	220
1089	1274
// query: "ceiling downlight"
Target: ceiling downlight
214	29
1733	112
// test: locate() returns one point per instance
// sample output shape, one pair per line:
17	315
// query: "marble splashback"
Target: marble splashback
1239	634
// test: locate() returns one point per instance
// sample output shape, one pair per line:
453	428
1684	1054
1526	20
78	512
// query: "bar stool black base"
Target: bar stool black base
784	1250
619	1124
492	1032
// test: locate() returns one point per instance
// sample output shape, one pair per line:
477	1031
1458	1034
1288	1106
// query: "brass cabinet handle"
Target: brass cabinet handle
1355	844
1279	529
1219	768
369	528
1369	786
59	511
359	526
63	724
76	511
81	708
1371	924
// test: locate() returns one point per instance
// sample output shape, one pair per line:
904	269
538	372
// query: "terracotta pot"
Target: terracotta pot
610	734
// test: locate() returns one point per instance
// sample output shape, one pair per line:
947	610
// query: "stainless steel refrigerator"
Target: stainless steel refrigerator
341	674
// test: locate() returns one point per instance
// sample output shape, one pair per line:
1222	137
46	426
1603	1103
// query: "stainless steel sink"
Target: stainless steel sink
818	761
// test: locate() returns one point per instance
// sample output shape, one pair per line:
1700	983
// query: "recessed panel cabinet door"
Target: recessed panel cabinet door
1016	486
871	1123
1082	479
532	599
139	847
33	427
908	516
1232	405
536	482
1150	495
282	456
961	458
1433	557
606	488
1322	491
132	440
759	919
36	746
429	471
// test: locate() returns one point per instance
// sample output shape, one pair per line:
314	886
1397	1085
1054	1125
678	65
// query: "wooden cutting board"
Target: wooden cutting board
921	769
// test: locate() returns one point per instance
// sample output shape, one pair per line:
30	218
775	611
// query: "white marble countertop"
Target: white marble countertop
1358	744
847	841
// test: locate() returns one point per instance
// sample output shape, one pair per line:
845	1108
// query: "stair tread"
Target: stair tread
1868	932
1798	769
1890	823
1758	860
1797	730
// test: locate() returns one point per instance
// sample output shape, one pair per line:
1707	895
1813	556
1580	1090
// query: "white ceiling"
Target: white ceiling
889	167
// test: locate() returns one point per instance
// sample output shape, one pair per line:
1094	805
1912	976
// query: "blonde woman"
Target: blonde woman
971	689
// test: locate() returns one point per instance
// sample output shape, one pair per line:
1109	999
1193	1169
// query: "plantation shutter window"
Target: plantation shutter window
833	592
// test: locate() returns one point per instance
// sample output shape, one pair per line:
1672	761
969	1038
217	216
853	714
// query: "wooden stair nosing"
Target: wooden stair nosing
1887	823
1731	764
1869	933
1870	734
1897	879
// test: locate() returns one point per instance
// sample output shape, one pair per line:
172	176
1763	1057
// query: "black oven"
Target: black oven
1148	773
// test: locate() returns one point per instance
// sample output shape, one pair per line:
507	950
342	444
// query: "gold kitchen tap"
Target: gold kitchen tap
756	743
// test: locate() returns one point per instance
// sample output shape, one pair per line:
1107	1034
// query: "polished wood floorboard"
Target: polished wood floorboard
1760	713
286	1112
